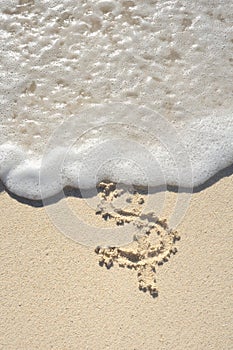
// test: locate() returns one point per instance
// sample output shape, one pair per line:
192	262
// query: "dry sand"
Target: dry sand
54	294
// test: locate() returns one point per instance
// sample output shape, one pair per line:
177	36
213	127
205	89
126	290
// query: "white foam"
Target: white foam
79	61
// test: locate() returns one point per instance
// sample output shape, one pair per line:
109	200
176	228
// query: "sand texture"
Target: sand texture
54	294
153	242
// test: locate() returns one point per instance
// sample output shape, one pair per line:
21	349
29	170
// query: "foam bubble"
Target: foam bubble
141	158
60	58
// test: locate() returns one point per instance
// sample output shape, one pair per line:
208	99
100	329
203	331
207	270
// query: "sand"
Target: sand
55	295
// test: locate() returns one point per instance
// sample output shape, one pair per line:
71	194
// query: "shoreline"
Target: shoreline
75	192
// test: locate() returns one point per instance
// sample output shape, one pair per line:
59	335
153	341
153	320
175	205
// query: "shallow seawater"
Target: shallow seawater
126	91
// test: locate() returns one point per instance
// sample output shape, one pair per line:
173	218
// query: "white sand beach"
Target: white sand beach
54	294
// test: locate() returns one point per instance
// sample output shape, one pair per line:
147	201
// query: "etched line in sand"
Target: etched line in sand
153	244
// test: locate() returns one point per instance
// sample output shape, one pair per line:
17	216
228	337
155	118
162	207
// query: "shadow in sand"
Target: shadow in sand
72	192
2	188
68	192
228	171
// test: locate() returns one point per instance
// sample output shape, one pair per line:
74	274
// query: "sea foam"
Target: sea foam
128	91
